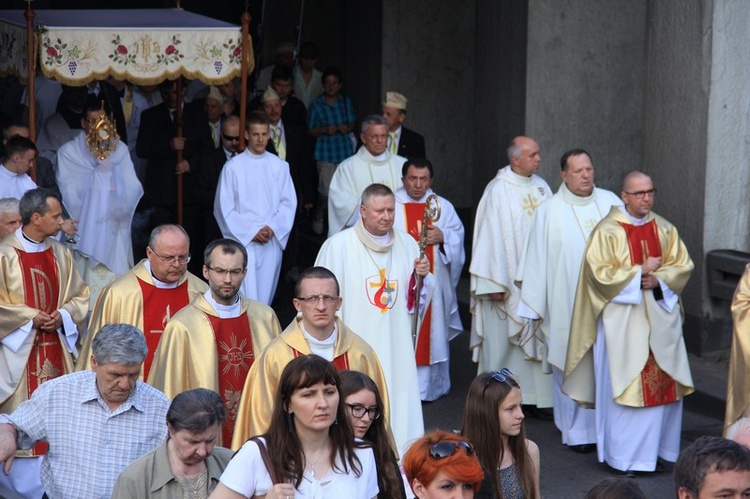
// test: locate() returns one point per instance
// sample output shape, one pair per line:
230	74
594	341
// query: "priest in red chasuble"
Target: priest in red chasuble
316	329
149	294
213	342
43	304
626	353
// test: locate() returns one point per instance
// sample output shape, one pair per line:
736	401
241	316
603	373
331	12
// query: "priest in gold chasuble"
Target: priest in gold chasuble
43	304
738	385
214	341
149	294
626	353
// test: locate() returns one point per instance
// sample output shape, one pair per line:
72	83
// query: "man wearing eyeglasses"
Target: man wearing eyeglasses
149	294
214	341
626	352
548	275
315	330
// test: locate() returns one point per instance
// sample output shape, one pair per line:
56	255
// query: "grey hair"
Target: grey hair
35	201
9	206
513	151
373	119
739	426
373	190
157	232
121	344
196	410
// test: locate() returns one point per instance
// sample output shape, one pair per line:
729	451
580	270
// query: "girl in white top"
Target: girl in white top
310	445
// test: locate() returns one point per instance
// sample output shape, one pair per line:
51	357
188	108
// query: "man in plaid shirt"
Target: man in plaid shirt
331	120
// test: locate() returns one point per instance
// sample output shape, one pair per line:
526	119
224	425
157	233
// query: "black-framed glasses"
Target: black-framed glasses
445	449
313	299
500	376
359	411
170	260
231	138
229	272
642	194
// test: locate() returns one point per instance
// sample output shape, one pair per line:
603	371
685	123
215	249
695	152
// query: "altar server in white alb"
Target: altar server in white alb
101	190
548	275
376	266
14	172
255	205
498	336
445	251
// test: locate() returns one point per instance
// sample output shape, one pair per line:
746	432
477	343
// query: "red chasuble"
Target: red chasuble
657	386
341	362
414	216
41	290
234	343
159	305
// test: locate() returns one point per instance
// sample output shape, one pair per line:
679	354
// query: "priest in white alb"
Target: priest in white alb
376	266
255	204
371	164
445	251
548	275
626	352
502	224
101	190
14	172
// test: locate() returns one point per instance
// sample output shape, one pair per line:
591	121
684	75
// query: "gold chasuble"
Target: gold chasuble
44	281
738	385
256	406
201	350
134	299
645	369
414	216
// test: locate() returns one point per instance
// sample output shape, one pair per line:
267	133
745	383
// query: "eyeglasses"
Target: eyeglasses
642	194
171	260
499	376
231	138
359	411
442	450
229	272
313	300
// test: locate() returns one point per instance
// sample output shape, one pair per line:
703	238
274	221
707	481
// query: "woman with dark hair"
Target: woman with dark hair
364	408
442	465
309	448
493	421
186	465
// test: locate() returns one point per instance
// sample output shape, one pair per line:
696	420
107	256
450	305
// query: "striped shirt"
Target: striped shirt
89	444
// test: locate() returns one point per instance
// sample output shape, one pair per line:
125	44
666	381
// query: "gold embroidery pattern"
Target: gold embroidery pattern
530	204
232	401
47	371
235	356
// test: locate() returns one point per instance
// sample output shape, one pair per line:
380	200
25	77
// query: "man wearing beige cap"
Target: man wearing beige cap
401	140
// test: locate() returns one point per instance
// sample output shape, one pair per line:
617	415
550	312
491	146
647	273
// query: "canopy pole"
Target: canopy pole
31	67
180	157
243	76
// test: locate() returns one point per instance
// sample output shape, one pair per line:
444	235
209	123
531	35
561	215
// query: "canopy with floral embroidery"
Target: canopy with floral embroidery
143	46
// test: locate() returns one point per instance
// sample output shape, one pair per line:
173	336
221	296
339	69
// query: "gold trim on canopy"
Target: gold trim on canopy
161	44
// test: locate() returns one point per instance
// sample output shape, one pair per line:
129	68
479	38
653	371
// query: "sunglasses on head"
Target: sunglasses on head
500	376
441	450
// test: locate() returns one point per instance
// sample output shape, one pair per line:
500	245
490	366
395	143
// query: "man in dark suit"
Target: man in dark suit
291	143
293	111
401	140
158	144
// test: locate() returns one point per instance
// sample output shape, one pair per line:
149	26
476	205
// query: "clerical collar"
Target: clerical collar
635	221
324	348
384	239
160	284
380	157
519	178
577	200
223	311
29	245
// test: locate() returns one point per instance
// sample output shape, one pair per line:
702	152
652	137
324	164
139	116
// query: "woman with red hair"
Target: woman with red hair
442	465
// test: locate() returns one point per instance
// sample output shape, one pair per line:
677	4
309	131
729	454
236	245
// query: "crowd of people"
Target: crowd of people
575	305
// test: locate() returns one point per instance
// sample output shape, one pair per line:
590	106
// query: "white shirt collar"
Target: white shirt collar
159	284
